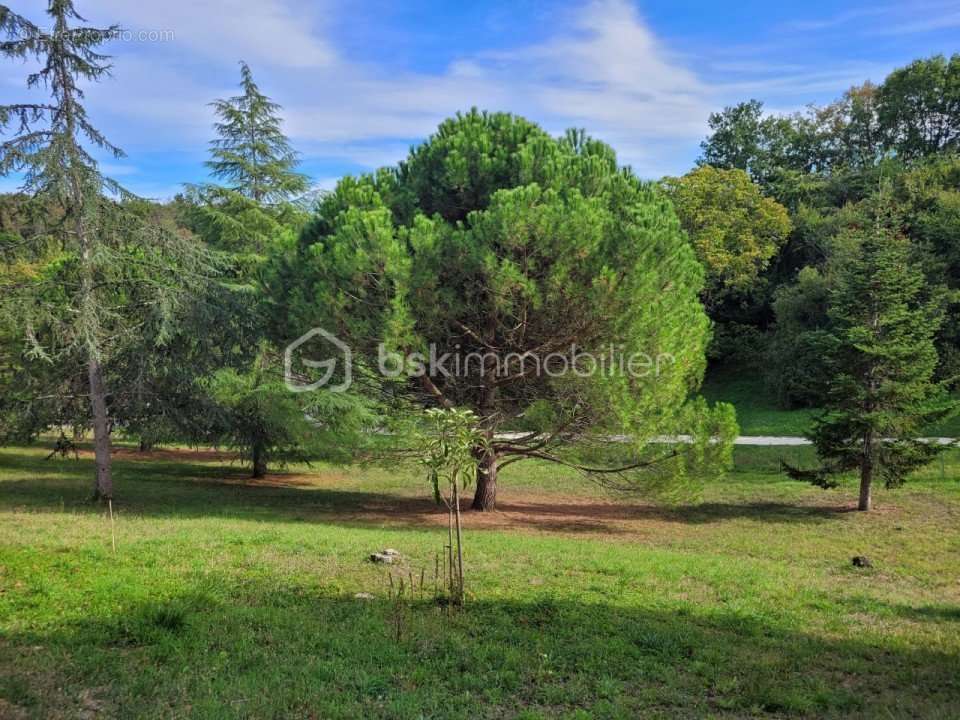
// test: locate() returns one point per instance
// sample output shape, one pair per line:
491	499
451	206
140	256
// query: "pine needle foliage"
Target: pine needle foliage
252	155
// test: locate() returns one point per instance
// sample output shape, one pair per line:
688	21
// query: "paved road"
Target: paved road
789	440
757	440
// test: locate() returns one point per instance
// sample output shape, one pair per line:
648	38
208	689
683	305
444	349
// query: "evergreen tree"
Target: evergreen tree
256	414
252	154
882	394
249	221
497	242
73	303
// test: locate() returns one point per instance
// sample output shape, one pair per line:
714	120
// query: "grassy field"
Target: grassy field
759	414
231	600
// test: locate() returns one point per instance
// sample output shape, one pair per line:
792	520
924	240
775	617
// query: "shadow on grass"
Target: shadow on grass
938	614
288	651
188	489
931	612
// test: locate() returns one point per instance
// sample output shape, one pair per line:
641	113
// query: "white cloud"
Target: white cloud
325	184
267	31
612	75
117	170
842	18
154	105
606	72
373	154
946	21
806	84
886	19
602	68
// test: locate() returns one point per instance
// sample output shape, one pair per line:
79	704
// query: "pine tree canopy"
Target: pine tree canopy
495	238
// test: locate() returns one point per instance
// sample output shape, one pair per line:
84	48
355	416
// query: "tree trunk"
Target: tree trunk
485	497
866	474
259	460
103	483
866	479
145	445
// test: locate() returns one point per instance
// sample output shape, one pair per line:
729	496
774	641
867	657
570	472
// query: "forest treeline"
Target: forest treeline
896	142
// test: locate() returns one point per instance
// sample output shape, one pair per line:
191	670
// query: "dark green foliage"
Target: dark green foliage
238	225
163	398
821	161
929	196
737	344
919	108
743	138
468	159
914	114
251	154
46	384
255	412
51	145
150	624
494	238
800	344
235	386
260	416
821	477
75	301
844	136
881	392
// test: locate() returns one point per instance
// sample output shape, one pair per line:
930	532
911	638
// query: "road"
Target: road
755	440
790	440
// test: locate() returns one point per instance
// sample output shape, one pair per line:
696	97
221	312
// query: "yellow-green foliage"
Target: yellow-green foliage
733	227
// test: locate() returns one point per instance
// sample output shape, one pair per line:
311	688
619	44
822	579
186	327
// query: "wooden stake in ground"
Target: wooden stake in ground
456	508
113	532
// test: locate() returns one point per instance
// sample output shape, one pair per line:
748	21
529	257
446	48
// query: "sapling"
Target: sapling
449	455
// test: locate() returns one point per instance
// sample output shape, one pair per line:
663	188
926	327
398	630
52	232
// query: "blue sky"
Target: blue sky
361	81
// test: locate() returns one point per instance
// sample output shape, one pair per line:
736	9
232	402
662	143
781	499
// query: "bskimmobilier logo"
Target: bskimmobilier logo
341	354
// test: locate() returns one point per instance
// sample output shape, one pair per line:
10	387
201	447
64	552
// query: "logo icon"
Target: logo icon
298	383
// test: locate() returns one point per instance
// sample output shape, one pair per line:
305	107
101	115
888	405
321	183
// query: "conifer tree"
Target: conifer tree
497	242
110	270
882	394
252	154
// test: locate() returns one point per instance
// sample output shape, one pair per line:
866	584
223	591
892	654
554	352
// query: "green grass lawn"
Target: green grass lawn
759	414
757	409
226	600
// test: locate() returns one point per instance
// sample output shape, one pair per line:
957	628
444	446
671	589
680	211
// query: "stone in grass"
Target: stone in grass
363	596
387	556
861	561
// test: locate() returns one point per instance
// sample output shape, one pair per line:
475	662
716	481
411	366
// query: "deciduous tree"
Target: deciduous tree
919	107
735	230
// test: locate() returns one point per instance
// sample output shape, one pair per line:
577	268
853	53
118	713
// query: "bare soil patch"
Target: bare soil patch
524	511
